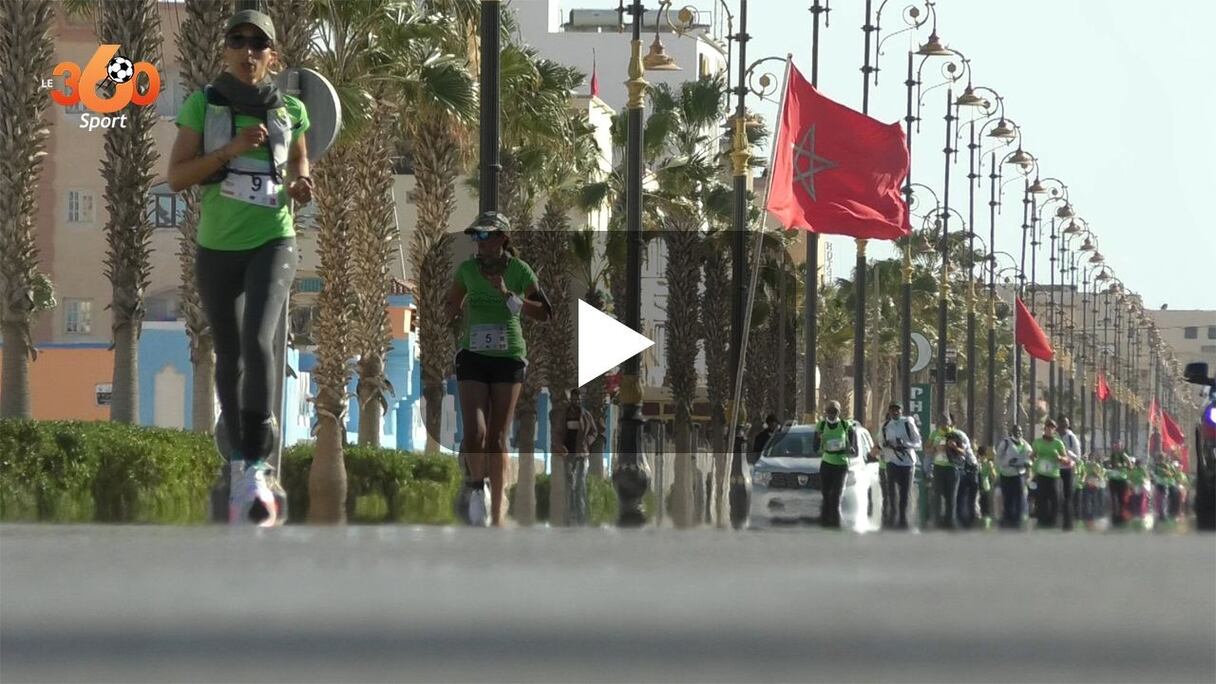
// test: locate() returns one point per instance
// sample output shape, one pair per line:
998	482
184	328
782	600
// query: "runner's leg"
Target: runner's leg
503	397
268	281
474	408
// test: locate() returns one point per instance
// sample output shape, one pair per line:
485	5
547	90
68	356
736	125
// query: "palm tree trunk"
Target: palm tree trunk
437	165
327	476
372	250
128	168
200	57
715	322
25	48
294	25
683	271
557	337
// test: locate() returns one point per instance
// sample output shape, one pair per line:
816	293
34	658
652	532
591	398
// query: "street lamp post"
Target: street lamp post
629	474
491	164
913	20
994	109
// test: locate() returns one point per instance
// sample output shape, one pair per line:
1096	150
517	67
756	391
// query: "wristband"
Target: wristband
515	304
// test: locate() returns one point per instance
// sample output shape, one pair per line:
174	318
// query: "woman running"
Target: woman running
493	289
242	141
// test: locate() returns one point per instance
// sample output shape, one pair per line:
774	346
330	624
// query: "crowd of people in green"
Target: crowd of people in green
1050	479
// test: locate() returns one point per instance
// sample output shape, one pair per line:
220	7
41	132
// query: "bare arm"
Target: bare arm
188	168
533	308
455	301
297	159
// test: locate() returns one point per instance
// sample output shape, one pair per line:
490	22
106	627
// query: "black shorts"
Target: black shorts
489	370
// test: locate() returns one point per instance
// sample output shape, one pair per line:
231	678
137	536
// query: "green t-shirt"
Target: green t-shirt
1118	467
1095	474
1138	476
486	312
838	436
937	440
988	474
228	224
1047	455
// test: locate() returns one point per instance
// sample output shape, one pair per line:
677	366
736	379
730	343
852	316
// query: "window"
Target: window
78	316
1212	332
166	209
1191	332
1208	349
80	206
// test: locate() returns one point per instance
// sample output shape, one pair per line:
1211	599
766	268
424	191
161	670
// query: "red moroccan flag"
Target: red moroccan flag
595	78
836	170
1031	336
1102	389
1171	434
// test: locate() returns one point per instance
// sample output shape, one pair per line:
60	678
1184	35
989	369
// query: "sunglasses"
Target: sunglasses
239	41
482	235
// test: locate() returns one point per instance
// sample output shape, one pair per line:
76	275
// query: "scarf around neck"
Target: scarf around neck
254	100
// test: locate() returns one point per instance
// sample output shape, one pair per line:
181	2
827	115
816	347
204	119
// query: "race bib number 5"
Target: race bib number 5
488	337
259	189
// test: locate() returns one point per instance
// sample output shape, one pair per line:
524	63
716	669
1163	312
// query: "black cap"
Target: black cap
489	222
254	18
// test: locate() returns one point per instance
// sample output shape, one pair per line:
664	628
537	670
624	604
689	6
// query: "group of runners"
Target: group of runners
1050	480
241	142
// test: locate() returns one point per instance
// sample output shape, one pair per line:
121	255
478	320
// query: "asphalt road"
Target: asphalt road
364	604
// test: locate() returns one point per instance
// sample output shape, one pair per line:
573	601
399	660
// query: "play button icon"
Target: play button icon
603	343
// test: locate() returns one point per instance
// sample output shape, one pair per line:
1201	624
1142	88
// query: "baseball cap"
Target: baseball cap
489	222
254	18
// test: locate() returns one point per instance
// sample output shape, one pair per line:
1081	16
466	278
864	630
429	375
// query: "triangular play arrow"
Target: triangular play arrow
603	343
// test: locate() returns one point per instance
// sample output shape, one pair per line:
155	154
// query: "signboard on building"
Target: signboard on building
104	394
921	405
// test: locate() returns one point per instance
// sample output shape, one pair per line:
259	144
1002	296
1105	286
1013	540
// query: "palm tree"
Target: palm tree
294	27
25	48
438	132
348	55
687	176
373	238
128	168
199	53
590	277
540	136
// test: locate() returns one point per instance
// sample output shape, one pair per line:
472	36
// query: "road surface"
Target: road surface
368	604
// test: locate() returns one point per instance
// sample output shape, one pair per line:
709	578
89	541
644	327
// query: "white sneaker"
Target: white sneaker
479	507
250	499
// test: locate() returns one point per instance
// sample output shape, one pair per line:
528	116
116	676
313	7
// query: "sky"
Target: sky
1112	97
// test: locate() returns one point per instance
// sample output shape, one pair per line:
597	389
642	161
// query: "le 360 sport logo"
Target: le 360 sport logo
80	87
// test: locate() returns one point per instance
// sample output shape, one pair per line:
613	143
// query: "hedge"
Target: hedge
72	471
61	471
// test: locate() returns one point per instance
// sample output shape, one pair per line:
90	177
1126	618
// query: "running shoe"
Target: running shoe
251	501
479	507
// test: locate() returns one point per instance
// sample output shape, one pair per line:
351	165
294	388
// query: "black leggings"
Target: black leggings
898	480
243	294
831	478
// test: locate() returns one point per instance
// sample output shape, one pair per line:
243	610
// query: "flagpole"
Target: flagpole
744	313
811	305
859	278
740	157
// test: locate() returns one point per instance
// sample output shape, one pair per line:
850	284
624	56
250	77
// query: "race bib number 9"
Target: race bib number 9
488	337
252	188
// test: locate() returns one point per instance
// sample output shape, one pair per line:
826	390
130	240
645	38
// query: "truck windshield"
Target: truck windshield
793	444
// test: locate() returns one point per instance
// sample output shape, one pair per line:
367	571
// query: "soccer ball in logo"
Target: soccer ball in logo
120	69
